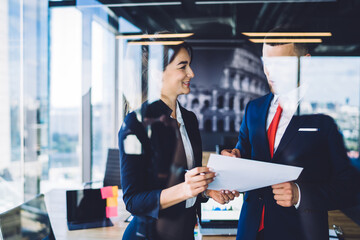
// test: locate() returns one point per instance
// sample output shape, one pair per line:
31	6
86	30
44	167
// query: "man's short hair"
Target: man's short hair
300	48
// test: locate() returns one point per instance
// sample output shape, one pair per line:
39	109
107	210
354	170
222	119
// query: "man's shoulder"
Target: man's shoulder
323	122
319	117
257	102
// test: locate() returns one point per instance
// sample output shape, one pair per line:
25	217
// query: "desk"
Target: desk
56	206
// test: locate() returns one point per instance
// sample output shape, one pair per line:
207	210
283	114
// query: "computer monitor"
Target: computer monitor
218	219
29	221
86	209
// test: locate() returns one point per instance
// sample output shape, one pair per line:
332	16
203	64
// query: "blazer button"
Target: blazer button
260	198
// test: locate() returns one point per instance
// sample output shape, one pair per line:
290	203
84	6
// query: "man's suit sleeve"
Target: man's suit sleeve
338	191
243	143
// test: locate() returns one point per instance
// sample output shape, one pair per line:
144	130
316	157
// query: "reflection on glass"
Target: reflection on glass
10	178
30	221
24	99
102	97
334	91
65	92
226	79
282	75
131	77
35	94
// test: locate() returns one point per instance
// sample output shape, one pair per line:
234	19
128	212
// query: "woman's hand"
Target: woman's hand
197	180
222	196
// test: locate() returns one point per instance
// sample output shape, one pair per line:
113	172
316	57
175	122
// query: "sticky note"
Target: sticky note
115	190
106	192
111	212
112	202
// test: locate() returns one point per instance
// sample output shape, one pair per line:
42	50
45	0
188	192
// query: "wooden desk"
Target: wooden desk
350	228
56	206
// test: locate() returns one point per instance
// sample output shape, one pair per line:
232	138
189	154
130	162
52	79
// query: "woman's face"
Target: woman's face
177	75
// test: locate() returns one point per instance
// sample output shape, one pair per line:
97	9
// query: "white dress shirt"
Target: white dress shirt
286	116
188	149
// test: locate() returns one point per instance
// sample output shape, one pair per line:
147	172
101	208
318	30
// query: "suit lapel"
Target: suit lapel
264	110
289	133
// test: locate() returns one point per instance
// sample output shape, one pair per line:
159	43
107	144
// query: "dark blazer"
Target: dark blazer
161	164
325	183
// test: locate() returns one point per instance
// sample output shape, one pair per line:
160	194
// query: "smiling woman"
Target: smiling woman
162	178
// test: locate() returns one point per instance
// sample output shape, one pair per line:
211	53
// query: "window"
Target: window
102	97
65	100
24	99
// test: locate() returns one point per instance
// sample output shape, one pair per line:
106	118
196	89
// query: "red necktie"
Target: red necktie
271	137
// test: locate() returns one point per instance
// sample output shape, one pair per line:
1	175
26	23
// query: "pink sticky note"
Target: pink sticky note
106	192
111	212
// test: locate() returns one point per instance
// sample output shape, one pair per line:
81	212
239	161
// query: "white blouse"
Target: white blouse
188	149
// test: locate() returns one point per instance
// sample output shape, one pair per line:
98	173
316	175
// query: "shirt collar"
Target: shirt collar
276	99
289	102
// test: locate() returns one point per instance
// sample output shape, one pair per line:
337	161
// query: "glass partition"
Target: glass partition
102	97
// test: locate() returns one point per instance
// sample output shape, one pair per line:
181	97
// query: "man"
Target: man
272	132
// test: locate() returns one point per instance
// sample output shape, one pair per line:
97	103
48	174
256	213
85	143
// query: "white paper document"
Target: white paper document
243	174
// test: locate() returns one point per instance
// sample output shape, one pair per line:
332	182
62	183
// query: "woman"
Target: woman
162	178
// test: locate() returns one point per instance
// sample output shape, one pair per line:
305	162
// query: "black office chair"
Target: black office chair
112	172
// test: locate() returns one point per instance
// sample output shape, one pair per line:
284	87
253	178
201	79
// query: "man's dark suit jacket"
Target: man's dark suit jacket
325	182
161	164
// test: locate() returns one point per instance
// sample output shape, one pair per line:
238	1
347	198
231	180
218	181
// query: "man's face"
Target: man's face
269	52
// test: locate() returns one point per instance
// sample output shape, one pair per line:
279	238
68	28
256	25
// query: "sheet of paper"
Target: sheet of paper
243	174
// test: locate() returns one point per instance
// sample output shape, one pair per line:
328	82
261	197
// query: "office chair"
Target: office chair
112	172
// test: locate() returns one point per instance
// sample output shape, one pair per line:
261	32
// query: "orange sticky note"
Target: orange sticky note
111	212
115	190
106	192
112	202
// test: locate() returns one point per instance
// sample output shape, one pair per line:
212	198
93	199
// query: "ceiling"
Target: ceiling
223	24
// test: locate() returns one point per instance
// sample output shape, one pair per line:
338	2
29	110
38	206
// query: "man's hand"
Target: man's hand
286	194
231	152
222	196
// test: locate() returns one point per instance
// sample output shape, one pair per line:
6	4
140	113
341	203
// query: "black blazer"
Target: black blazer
161	164
326	183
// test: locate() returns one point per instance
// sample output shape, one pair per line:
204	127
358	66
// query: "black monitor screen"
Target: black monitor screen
29	221
85	206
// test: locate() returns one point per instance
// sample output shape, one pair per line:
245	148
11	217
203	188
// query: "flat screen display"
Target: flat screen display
29	221
213	211
85	206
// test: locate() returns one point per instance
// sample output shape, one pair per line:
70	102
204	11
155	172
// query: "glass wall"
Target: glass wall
65	97
102	97
24	99
83	58
334	85
64	90
11	187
